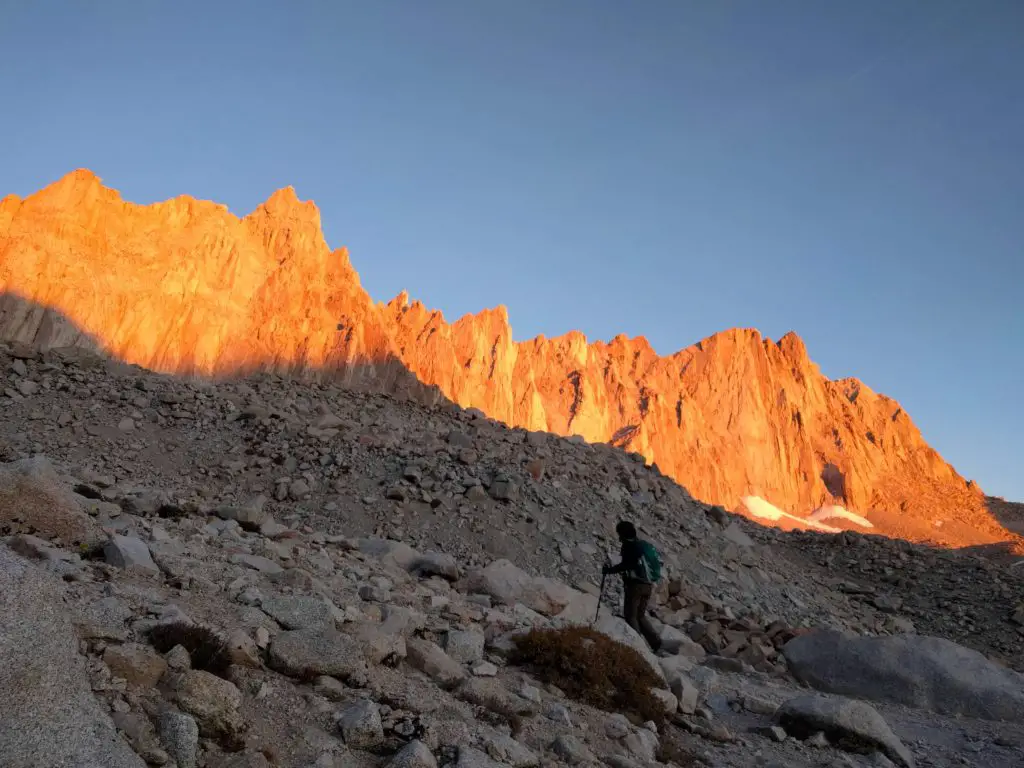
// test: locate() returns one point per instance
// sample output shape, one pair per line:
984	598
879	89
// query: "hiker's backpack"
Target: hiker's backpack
650	563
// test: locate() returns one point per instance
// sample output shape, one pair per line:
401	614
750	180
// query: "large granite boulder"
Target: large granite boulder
48	713
919	671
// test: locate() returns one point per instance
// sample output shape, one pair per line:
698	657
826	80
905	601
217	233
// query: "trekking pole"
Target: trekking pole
600	595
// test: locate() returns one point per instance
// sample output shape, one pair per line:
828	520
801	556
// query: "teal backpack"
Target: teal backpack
650	563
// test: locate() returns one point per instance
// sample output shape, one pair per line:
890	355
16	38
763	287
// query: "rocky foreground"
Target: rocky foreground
368	565
185	286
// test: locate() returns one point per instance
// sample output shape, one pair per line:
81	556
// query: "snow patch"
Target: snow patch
759	508
836	512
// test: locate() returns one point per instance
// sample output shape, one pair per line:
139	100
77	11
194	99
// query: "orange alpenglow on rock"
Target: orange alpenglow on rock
186	287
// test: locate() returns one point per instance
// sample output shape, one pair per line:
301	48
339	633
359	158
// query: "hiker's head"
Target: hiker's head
626	530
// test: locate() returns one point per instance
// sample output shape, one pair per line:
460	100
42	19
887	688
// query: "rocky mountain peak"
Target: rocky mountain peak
80	188
284	209
187	287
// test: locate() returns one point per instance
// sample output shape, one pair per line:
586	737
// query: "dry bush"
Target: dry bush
171	512
497	712
271	754
206	648
592	668
82	489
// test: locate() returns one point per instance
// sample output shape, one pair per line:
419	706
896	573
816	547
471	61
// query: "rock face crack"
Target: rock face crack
622	437
575	379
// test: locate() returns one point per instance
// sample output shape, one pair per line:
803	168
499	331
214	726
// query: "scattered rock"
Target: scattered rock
508	751
675	642
299	489
373	593
817	740
621	761
32	497
306	653
250	516
759	706
667	698
140	665
330	688
299	612
179	734
413	755
617	727
686	693
381	644
464	646
642	743
436	564
258	563
213	702
34	548
732	532
129	553
572	750
178	659
243	649
469	757
504	490
501	580
361	726
485	669
809	714
430	659
772	732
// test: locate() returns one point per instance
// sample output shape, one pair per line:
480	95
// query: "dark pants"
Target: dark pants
634	611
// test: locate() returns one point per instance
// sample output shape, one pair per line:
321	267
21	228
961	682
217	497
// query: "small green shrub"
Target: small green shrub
92	550
206	648
592	668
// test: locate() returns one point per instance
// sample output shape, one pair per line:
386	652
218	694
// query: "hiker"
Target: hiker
641	570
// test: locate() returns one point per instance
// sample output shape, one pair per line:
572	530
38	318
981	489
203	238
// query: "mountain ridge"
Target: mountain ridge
185	286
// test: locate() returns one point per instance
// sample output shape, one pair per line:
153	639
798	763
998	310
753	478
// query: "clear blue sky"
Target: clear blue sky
850	170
